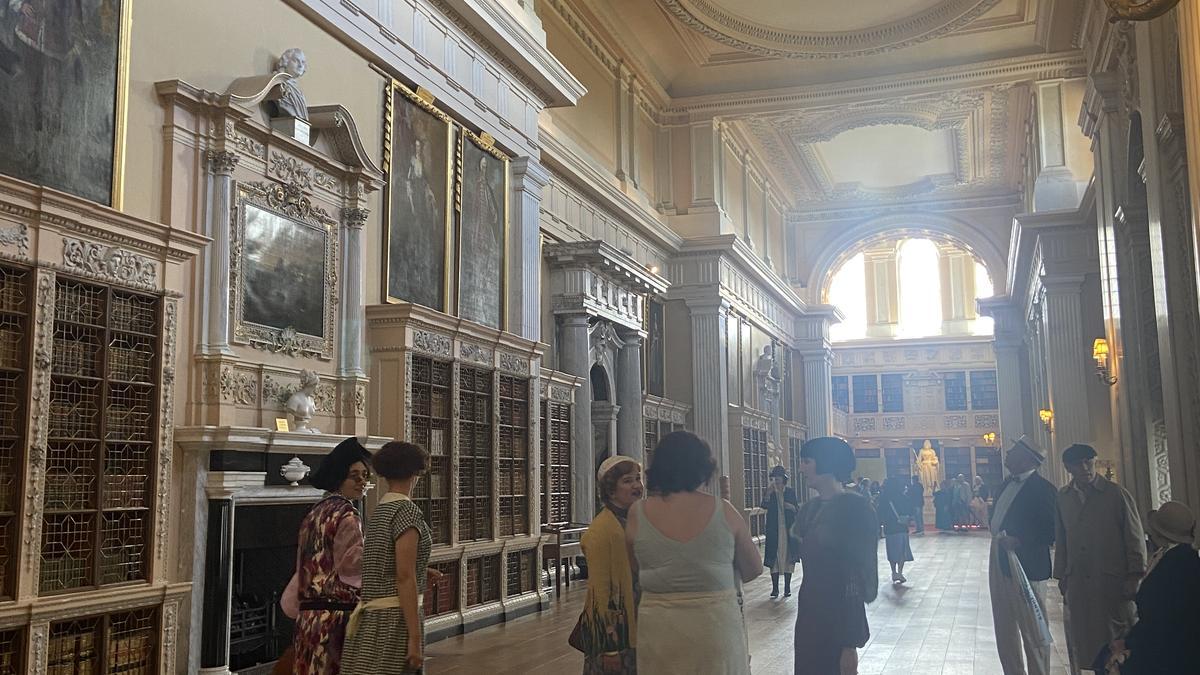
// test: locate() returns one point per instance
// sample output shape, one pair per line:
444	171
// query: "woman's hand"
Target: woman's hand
433	575
415	655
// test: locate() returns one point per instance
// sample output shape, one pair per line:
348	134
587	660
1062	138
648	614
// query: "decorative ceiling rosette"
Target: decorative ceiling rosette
816	31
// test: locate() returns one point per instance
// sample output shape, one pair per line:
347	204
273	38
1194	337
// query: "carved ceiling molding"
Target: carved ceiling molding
712	21
980	119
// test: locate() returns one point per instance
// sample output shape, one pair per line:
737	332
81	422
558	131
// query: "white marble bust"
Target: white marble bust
302	405
291	102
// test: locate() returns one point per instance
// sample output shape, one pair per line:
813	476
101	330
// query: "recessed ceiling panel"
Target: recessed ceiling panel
887	156
815	16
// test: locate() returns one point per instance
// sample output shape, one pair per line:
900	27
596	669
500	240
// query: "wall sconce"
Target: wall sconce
1047	417
1100	354
989	438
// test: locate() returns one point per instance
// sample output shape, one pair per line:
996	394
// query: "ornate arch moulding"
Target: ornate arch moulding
936	226
1127	10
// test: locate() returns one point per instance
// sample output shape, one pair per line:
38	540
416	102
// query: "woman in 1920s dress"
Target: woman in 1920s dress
325	588
839	537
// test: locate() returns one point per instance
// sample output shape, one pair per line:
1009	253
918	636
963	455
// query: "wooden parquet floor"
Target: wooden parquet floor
940	623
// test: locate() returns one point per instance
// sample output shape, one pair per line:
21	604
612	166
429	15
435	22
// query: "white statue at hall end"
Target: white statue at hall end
927	467
302	405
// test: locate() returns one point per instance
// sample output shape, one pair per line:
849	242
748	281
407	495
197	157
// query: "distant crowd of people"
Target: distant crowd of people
667	561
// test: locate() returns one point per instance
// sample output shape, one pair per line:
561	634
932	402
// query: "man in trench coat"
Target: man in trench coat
1099	558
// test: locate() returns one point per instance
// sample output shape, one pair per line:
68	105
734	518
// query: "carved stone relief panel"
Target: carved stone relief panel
109	263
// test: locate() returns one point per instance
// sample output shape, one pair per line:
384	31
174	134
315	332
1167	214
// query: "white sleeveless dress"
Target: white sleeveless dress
690	615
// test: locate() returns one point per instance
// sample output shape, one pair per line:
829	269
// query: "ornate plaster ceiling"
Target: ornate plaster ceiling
809	29
951	143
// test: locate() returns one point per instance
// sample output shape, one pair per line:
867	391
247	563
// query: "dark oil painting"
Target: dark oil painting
417	225
481	236
283	272
59	65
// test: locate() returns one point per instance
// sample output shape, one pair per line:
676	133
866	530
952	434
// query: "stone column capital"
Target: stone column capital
529	175
1059	285
579	320
708	306
355	217
631	337
222	162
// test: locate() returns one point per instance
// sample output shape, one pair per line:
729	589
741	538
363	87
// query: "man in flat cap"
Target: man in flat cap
1023	524
1099	559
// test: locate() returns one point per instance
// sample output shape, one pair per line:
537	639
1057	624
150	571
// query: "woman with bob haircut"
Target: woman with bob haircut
325	588
607	629
839	539
386	633
687	548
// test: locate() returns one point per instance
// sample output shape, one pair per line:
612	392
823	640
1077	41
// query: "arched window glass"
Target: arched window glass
848	293
983	289
920	289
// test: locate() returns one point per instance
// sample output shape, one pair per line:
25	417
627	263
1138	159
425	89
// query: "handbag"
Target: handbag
576	638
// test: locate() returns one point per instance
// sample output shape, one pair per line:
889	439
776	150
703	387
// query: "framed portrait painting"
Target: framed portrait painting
283	271
63	87
482	232
417	158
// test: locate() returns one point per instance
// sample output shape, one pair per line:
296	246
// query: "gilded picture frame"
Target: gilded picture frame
51	135
283	271
482	222
418	150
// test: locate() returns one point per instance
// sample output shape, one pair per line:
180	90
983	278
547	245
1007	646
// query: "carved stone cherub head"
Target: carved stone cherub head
309	381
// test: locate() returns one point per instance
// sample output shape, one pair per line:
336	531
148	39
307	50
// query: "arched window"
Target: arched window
924	269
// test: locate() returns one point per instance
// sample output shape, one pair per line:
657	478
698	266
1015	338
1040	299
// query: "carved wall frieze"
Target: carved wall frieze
291	170
324	180
434	344
512	363
109	262
250	146
18	236
239	386
170	633
475	353
39	639
278	393
43	354
166	428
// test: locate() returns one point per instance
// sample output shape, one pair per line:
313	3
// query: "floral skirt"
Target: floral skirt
318	641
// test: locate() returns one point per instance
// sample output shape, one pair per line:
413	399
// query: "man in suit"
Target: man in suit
1023	523
1099	559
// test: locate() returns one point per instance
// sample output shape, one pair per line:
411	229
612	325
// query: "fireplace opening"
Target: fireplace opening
264	558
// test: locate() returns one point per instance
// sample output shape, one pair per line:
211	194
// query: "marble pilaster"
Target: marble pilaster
1055	186
218	588
816	353
710	377
1011	366
529	178
629	395
575	359
350	350
1068	351
220	226
1164	107
882	285
957	271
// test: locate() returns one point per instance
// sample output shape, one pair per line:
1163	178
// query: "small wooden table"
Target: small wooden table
563	545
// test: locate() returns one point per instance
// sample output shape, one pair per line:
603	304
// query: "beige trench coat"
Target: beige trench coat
1099	544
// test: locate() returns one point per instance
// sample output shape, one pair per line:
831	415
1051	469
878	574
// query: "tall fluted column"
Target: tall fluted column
882	275
710	377
525	290
1188	15
1068	351
816	352
1011	366
350	351
575	356
629	395
220	226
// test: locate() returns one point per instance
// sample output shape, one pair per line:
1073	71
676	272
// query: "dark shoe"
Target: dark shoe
787	594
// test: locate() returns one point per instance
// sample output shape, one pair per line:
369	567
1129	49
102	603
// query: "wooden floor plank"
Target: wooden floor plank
940	622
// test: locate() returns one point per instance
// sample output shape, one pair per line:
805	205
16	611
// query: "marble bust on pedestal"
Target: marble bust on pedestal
302	405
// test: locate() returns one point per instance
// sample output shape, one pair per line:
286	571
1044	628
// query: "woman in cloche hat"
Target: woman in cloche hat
326	586
1164	640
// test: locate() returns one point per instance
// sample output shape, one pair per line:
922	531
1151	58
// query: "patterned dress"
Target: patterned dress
326	599
380	645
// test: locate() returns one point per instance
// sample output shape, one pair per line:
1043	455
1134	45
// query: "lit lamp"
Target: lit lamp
1100	354
989	438
1047	417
